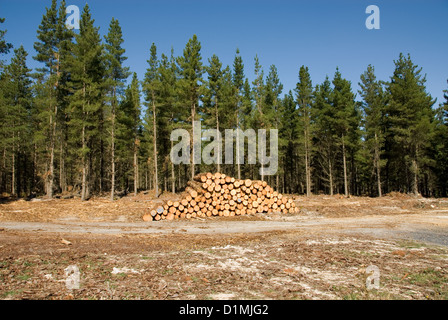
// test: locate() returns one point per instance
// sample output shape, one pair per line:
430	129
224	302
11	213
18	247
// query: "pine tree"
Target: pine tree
259	95
325	138
274	89
191	70
304	96
52	49
346	118
128	128
246	121
288	142
116	75
373	106
4	46
410	121
4	49
213	99
17	98
444	106
3	133
87	73
169	103
228	114
440	147
238	83
259	119
151	88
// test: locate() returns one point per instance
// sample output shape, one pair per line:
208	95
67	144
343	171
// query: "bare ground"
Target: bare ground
320	253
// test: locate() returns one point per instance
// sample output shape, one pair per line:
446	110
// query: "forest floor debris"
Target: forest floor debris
326	259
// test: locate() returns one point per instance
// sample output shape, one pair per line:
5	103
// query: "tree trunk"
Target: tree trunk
62	178
135	168
345	167
219	140
146	179
50	175
156	179
173	176
238	149
377	164
112	178
330	173
83	141
53	137
112	160
13	169
307	164
35	179
193	111
84	171
3	173
415	171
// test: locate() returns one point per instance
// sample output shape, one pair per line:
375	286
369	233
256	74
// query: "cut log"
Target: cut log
216	194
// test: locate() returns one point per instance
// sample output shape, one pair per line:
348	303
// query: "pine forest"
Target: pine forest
84	123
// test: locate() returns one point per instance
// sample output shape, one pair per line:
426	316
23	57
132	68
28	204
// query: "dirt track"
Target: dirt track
430	226
321	253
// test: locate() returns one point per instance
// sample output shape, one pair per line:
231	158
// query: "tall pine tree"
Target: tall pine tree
52	49
151	88
410	121
190	85
116	75
304	96
17	95
325	138
440	147
238	83
374	102
128	129
346	119
87	74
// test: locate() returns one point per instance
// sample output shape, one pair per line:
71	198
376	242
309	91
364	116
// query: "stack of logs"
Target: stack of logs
220	195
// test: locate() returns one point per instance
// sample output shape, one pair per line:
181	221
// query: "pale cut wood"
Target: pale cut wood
170	216
216	194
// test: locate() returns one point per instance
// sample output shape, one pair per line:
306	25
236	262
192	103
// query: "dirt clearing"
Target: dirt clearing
321	253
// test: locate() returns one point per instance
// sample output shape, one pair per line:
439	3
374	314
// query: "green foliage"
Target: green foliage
114	57
4	46
218	96
128	125
87	70
191	71
439	148
325	138
78	120
410	123
343	101
15	110
272	100
373	117
304	92
258	92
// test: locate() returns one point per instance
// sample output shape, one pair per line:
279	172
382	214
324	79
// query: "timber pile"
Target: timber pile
217	194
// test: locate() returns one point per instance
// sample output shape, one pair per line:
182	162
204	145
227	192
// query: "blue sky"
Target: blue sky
319	34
